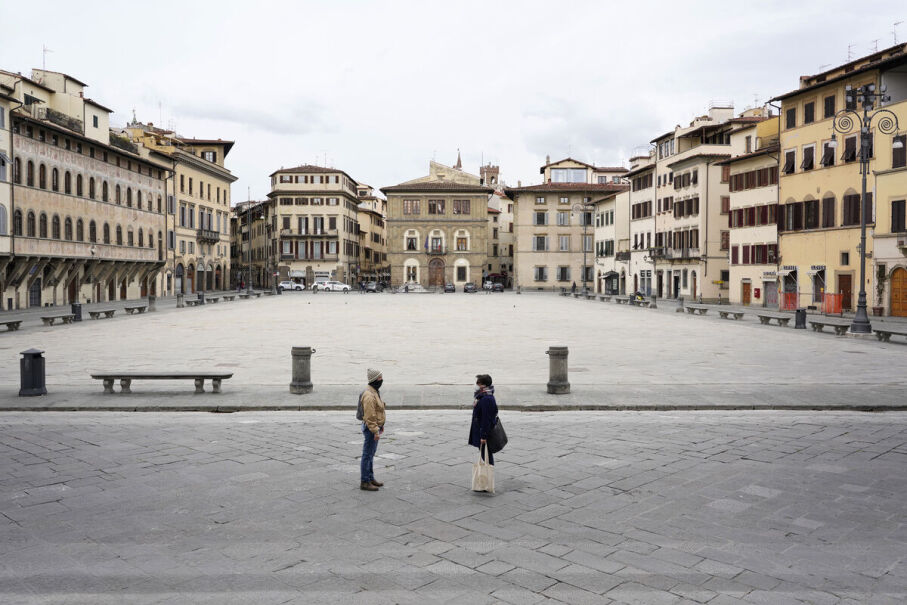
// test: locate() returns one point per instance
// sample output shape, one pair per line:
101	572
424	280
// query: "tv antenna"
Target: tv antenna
849	52
894	30
875	45
44	51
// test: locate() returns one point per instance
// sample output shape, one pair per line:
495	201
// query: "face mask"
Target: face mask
377	384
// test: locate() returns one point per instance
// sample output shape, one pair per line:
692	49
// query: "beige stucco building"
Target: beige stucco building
315	217
198	208
500	230
252	245
820	189
437	228
611	238
553	226
373	263
86	205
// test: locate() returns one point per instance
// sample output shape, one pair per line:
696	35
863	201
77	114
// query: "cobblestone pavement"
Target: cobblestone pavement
592	507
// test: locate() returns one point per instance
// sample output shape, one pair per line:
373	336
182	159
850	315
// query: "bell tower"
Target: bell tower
490	175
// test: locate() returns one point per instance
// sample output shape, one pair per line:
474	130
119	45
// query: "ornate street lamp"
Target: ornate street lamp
845	122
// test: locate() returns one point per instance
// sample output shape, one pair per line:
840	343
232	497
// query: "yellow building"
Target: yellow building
198	208
373	263
86	205
820	188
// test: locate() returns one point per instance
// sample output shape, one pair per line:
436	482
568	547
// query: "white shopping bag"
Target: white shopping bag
483	474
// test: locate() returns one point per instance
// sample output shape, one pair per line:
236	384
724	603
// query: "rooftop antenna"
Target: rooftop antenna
894	30
44	51
160	113
849	52
875	45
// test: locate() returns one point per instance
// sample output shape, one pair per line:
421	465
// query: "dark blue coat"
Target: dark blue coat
483	414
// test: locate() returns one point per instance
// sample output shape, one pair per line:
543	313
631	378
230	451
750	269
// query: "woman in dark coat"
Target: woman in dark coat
484	413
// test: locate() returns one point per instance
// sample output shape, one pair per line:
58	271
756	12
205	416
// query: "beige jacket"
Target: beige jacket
372	410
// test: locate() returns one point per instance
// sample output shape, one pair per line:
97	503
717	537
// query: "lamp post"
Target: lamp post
583	209
845	122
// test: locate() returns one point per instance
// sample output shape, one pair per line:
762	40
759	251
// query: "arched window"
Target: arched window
158	203
42	225
138	200
106	233
119	236
67	229
42	176
129	240
79	185
55	227
30	174
141	238
17	223
92	232
104	192
3	227
30	224
67	183
119	198
91	187
55	179
17	171
80	231
129	196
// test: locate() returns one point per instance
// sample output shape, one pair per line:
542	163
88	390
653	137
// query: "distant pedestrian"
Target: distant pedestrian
484	413
573	288
372	428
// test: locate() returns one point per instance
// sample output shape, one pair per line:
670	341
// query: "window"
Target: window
67	229
42	225
829	106
462	244
540	200
808	155
541	273
725	174
898	224
563	274
725	239
851	206
828	155
211	156
55	227
568	175
735	254
845	258
899	156
436	206
790	118
828	212
80	231
540	243
725	204
411	207
564	243
809	113
790	160
30	174
119	235
811	211
540	218
850	149
563	218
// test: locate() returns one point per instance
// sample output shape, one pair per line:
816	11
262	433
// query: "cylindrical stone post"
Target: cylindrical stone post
557	370
302	370
152	301
31	373
518	290
201	298
179	301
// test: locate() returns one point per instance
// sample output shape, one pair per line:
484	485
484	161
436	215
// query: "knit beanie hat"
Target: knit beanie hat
373	375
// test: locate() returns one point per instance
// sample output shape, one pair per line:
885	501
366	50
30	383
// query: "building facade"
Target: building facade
820	191
611	231
315	217
86	205
437	228
500	237
198	208
252	245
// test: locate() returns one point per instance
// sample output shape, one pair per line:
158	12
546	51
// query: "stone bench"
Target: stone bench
63	317
590	296
605	298
126	379
269	293
244	296
256	294
229	297
130	309
212	299
731	314
766	319
622	300
840	328
885	334
701	309
12	325
97	313
191	302
565	293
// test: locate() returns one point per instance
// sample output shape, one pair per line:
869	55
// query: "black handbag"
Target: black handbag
498	437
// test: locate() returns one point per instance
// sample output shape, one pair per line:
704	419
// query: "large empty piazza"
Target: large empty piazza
431	346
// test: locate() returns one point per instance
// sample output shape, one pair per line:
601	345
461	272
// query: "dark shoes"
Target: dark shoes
376	483
369	487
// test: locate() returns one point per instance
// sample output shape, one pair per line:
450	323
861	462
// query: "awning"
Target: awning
609	274
297	273
5	158
812	272
785	272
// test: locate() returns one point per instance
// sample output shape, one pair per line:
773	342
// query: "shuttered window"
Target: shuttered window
898	224
790	159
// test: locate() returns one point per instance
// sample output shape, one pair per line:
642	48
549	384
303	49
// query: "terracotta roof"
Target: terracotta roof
542	169
494	211
436	186
96	104
746	156
700	155
641	169
566	188
228	145
312	169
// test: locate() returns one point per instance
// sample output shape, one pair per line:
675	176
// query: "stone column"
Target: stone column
557	372
302	370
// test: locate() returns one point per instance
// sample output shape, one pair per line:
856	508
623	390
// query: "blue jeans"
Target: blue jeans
369	447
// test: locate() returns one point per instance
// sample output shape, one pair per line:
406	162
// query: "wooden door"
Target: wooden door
899	292
747	286
123	290
693	289
845	287
73	290
436	272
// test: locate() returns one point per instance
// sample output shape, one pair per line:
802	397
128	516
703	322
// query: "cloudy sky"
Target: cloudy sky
380	88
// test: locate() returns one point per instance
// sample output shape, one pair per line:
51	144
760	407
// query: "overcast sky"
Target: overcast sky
380	88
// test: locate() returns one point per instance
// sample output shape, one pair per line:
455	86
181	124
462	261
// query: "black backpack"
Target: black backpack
359	412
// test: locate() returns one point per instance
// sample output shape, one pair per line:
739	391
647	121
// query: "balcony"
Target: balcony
207	236
437	250
622	256
324	258
682	253
657	252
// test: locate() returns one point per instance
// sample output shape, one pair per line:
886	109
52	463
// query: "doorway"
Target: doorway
676	285
693	287
845	287
747	287
770	290
34	293
72	290
111	290
899	292
436	272
123	290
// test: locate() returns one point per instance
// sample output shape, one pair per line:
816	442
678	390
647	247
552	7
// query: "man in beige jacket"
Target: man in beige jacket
372	429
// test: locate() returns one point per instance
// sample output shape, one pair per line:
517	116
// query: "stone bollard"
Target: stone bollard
201	298
518	290
302	370
652	304
152	302
179	301
557	370
679	308
31	371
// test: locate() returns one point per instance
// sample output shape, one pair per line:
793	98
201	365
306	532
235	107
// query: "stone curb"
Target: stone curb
230	409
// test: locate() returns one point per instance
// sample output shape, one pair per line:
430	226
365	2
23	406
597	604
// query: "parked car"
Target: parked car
497	287
449	287
332	286
373	286
488	285
290	285
469	288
